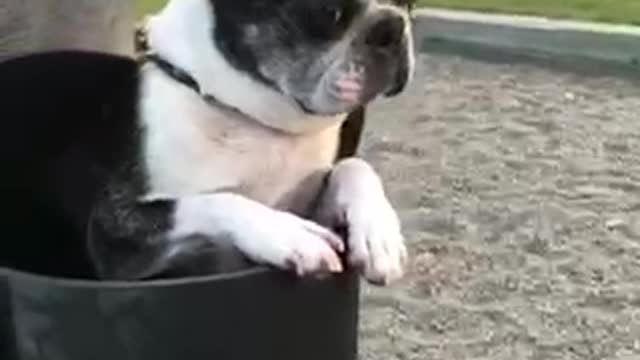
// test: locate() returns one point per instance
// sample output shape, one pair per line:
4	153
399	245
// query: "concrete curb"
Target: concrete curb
527	34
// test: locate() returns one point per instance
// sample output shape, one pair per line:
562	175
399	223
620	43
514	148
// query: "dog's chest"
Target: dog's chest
191	148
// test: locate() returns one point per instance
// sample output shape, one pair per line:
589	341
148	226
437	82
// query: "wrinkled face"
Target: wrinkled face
329	56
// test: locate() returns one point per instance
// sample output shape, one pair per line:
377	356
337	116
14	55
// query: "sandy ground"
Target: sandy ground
519	189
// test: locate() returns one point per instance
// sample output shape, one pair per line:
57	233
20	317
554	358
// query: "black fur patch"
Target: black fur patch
229	36
293	22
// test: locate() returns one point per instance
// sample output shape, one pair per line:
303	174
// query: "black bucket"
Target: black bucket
254	314
48	313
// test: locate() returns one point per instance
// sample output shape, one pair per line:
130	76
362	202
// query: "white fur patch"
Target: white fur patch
265	235
191	147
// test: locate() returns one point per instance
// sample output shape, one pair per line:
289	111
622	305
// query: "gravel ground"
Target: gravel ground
519	189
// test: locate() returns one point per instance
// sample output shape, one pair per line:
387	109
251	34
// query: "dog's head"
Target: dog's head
291	59
329	56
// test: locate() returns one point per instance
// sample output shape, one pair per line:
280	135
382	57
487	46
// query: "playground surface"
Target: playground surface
519	190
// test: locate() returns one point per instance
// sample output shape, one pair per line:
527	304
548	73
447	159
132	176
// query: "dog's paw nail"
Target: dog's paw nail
378	281
384	279
321	276
334	265
294	264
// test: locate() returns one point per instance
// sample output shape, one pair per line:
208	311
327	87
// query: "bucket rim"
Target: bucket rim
67	282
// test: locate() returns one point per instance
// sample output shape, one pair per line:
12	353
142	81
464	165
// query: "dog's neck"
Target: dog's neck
182	33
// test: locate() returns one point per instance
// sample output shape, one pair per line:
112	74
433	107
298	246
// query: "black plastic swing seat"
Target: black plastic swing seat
253	315
49	103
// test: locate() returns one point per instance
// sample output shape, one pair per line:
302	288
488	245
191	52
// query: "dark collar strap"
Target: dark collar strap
144	54
183	77
174	72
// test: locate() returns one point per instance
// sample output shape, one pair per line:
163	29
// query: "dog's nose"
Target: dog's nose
386	32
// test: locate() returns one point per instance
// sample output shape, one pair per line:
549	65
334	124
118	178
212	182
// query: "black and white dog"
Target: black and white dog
233	139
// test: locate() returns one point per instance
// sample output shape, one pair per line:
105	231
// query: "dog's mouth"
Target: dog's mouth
350	91
344	93
305	109
345	87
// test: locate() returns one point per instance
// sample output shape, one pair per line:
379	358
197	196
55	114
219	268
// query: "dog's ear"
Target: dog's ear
409	4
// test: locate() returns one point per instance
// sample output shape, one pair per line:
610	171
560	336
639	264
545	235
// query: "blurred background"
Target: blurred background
623	11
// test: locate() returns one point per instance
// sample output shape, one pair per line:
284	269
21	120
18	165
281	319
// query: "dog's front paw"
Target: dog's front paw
289	242
355	202
376	244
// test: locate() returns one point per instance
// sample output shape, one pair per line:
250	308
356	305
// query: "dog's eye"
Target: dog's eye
333	14
327	21
336	15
